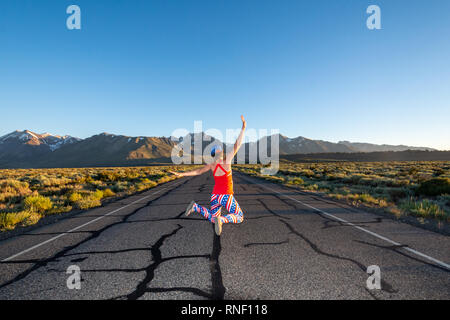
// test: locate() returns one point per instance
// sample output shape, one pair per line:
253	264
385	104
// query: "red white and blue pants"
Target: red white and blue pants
217	202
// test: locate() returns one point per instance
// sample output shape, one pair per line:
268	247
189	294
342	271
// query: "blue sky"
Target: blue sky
308	68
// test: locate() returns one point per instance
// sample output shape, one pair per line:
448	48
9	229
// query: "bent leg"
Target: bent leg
235	212
209	214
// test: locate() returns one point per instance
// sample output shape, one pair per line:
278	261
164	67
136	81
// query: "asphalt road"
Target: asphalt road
291	245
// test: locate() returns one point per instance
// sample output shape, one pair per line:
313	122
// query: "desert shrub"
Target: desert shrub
97	184
434	187
87	203
337	196
11	183
6	196
165	179
120	186
98	194
295	181
90	200
424	208
274	179
369	199
108	176
37	203
311	187
307	173
9	220
145	184
149	183
89	179
131	175
290	173
108	193
74	197
55	181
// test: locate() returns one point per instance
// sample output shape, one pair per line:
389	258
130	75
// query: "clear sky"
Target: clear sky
309	68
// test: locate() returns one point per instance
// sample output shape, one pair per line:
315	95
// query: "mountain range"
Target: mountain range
26	149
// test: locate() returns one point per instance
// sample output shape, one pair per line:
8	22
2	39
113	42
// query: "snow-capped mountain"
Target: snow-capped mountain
27	148
53	142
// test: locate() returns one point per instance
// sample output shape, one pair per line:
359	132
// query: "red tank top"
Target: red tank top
223	184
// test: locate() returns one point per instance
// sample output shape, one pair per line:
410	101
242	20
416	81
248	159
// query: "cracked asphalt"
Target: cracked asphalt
284	249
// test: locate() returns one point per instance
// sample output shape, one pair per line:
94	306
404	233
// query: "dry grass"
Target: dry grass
26	195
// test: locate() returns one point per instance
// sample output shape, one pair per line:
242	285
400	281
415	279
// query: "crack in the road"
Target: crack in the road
195	291
259	217
180	216
149	270
271	211
94	234
265	243
395	248
285	201
81	259
106	252
385	286
155	250
218	289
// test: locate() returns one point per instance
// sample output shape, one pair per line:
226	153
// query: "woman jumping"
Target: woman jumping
222	194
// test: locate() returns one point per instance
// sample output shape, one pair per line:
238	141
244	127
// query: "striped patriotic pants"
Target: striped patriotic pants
217	202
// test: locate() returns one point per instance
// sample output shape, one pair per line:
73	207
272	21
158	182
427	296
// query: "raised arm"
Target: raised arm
193	172
238	142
